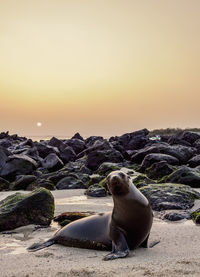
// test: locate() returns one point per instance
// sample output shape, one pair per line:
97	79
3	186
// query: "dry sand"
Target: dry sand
178	253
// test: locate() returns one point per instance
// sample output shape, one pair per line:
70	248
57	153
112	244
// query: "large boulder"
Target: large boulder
170	196
98	145
175	215
194	161
3	157
106	168
150	159
45	150
23	182
67	154
159	170
92	139
5	143
17	165
182	153
54	142
77	136
96	190
197	146
184	137
185	175
70	182
78	145
20	209
95	158
33	153
52	162
134	140
4	184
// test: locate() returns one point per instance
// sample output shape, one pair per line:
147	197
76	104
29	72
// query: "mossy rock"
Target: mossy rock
47	185
20	209
170	196
106	168
196	216
94	179
184	175
96	190
18	165
67	217
64	222
159	170
4	184
70	182
23	182
142	180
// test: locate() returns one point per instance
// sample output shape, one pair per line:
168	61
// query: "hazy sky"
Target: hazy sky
98	66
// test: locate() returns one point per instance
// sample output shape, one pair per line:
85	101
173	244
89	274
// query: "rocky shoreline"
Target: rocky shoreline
165	168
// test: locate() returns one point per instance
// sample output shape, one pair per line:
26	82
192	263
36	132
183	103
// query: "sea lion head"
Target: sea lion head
118	182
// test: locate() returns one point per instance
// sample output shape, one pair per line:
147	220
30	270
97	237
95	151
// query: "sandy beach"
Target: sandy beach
176	255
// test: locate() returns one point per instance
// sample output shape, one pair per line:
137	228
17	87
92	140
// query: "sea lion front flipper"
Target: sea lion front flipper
119	245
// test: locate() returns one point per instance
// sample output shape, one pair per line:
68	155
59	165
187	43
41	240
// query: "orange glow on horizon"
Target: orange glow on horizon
98	67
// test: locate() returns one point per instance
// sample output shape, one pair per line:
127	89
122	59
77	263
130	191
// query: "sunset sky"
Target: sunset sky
98	67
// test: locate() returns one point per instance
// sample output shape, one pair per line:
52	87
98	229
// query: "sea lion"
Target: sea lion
127	227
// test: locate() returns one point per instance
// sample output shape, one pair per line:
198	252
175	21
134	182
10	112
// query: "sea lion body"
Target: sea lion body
91	232
127	227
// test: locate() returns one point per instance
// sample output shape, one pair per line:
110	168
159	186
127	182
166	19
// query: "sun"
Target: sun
39	124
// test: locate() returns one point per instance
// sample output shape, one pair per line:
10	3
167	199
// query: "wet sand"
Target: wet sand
177	254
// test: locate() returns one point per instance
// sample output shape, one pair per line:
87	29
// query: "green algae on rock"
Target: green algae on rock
170	196
107	167
196	216
96	190
67	217
141	180
185	175
4	184
20	209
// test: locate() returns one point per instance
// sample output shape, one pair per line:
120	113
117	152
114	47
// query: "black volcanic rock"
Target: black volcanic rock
95	158
56	143
19	209
4	184
77	136
195	161
158	170
45	150
17	165
77	145
3	158
67	154
184	137
22	182
170	196
70	182
98	145
52	162
152	158
176	215
185	175
5	143
134	140
182	153
4	135
91	140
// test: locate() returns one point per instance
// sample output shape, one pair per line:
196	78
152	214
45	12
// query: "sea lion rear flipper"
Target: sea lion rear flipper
38	246
119	245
